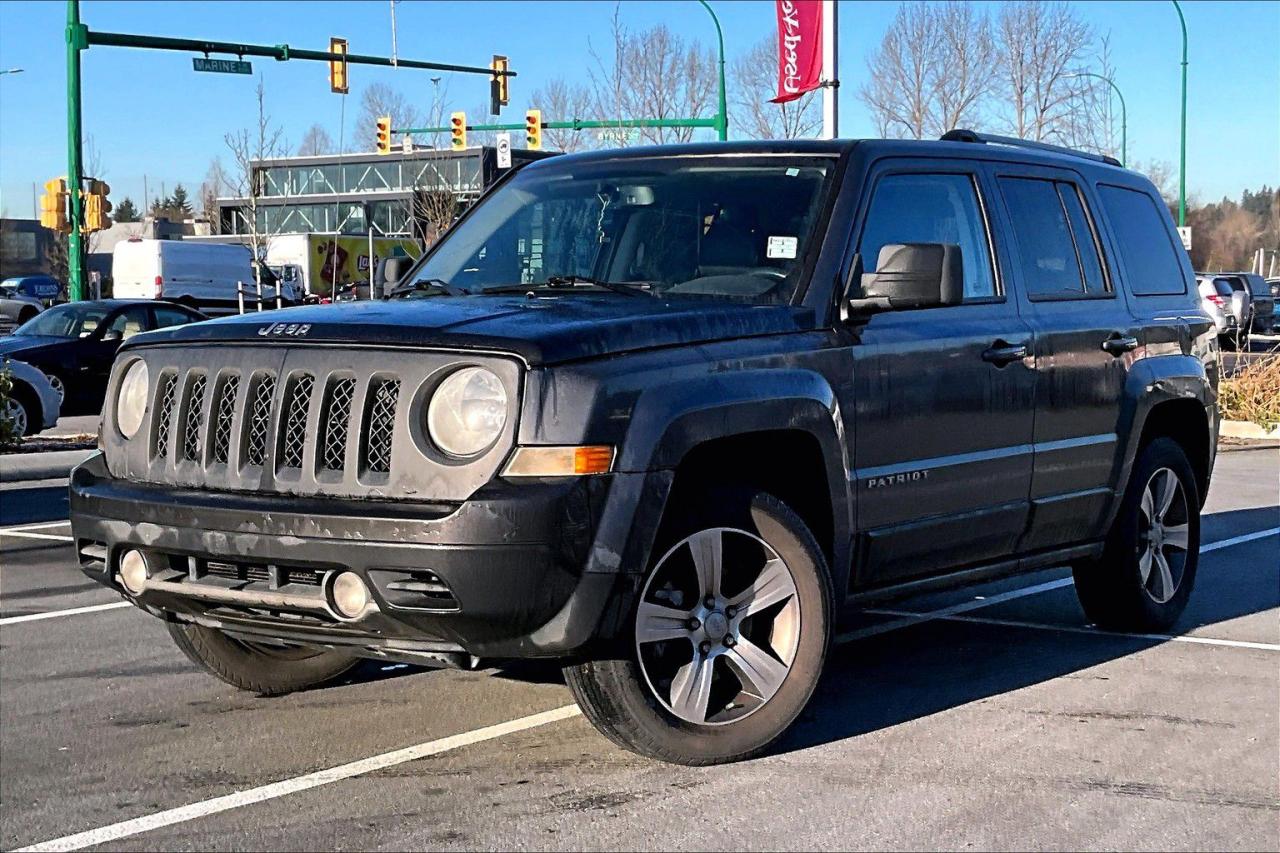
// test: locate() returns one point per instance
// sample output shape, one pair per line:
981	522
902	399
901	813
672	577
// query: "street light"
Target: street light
1182	159
722	119
1124	116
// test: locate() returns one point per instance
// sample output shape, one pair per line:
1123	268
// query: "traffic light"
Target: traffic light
384	134
499	92
53	206
96	206
533	130
338	67
458	131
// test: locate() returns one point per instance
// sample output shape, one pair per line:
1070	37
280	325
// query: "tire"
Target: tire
265	670
18	413
628	696
1127	588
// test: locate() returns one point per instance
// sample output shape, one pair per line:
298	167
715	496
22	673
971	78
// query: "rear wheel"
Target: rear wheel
15	412
1148	568
262	668
727	640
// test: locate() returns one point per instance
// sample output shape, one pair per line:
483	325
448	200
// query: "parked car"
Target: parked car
1263	303
1274	285
670	416
199	275
16	309
44	288
33	404
1226	306
74	343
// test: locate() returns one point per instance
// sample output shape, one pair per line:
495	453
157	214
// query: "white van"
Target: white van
201	275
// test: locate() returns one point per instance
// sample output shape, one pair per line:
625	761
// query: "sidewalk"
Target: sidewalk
55	465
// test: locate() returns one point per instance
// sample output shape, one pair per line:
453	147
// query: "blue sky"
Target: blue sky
150	114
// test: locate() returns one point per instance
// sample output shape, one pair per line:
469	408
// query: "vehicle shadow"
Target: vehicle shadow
920	670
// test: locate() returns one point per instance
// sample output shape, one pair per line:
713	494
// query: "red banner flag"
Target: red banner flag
799	48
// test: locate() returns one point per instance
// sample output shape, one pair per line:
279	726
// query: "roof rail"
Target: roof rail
963	135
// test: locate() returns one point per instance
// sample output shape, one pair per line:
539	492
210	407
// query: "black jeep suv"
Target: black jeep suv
670	415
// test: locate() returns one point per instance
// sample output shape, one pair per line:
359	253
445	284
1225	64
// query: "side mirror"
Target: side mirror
111	335
913	275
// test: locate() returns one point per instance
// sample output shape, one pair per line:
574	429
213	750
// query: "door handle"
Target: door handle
1001	353
1119	344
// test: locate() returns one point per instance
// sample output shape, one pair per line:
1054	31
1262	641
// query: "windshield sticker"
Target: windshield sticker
792	172
781	247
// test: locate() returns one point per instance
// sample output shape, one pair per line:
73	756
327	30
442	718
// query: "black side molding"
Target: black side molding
963	135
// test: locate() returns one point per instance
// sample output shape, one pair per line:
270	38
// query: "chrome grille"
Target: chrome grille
380	424
164	414
259	420
223	413
293	438
193	424
335	421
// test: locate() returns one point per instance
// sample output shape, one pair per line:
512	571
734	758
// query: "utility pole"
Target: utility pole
76	42
722	115
1124	113
1182	158
830	71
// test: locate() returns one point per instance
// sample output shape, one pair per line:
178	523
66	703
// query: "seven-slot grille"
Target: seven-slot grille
260	414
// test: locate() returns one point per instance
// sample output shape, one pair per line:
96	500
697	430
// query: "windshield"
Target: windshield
738	228
65	321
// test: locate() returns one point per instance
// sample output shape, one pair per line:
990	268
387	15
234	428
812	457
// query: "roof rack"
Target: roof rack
963	135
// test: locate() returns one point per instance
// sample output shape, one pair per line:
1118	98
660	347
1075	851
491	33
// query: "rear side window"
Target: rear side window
931	209
1143	239
1056	248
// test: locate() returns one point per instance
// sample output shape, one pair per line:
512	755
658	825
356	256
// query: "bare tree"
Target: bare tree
216	183
753	79
379	99
561	100
966	74
653	74
1042	44
249	147
904	72
315	141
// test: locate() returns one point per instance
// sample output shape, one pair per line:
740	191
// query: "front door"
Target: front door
943	398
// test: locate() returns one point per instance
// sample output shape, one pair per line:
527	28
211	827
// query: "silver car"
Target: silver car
16	309
33	404
1227	305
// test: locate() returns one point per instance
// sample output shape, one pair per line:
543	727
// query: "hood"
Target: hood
29	344
541	331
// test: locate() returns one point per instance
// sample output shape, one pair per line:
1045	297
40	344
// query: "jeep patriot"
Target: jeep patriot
670	416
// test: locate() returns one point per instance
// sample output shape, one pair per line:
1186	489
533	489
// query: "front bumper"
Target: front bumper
527	570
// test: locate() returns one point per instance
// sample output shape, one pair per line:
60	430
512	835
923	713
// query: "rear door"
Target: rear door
1086	339
941	408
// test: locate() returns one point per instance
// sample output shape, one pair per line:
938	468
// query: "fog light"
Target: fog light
350	595
133	571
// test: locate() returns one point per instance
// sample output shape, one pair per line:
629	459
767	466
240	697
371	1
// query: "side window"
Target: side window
171	317
1145	242
1056	249
931	209
129	322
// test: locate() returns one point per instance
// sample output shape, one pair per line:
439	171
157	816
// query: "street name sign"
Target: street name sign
222	66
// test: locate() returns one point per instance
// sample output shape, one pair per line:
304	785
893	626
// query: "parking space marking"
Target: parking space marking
1239	540
42	526
71	611
23	534
1082	629
182	814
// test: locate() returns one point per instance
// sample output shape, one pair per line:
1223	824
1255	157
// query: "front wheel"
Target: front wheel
1144	578
268	670
727	640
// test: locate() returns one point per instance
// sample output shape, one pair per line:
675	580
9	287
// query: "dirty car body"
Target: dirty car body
640	333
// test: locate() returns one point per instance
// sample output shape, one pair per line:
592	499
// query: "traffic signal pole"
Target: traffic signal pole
80	38
577	124
75	246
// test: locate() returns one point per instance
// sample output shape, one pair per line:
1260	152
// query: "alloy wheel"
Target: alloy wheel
16	414
718	626
1162	535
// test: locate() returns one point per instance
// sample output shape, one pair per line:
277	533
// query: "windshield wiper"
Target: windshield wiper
430	285
569	283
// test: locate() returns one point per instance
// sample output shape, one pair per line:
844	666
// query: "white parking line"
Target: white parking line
72	611
41	526
1082	629
24	534
137	825
1237	540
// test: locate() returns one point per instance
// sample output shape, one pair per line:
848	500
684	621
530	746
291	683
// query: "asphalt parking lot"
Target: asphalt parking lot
991	717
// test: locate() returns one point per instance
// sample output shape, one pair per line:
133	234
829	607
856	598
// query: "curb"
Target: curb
1247	429
53	465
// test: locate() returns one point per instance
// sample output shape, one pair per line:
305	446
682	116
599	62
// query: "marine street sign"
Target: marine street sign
222	66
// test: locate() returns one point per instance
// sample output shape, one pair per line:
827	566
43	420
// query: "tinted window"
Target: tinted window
1144	241
1086	241
931	209
1046	251
129	322
172	317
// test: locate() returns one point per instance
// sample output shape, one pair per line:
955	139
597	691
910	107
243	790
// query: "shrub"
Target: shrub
1253	394
8	434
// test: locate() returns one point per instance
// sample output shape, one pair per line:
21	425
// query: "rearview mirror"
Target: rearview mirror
913	275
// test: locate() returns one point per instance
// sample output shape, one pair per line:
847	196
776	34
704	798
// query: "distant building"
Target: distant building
353	193
25	248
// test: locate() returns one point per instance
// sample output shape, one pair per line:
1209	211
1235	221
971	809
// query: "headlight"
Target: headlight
467	412
131	402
